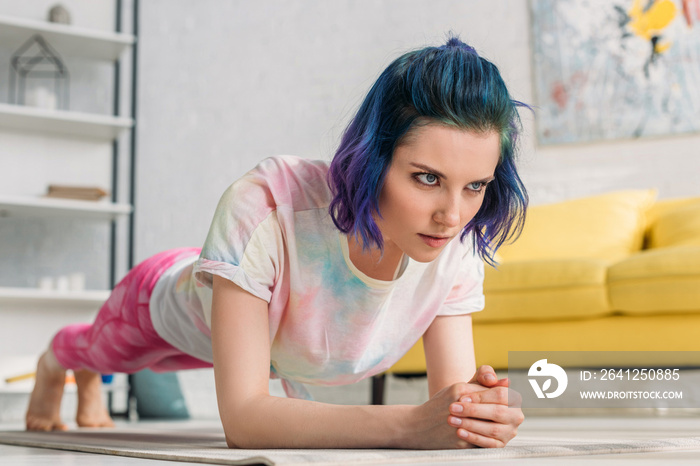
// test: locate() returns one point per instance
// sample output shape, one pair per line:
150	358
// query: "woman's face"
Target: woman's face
434	187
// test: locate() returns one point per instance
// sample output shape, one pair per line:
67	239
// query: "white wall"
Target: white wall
228	83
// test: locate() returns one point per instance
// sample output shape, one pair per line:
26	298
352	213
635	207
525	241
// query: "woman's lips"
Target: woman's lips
434	241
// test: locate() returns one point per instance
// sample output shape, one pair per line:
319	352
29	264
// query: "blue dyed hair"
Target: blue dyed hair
449	85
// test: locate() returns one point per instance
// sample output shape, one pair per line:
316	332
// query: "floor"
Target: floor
625	424
630	427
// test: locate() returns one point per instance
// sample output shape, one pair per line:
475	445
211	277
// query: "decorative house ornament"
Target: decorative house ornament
38	76
59	14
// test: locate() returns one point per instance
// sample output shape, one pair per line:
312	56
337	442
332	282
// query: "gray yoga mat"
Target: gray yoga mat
207	445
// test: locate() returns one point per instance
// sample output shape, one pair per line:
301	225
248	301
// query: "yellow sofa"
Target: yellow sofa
614	272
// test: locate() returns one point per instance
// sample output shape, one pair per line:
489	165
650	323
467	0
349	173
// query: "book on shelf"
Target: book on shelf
83	193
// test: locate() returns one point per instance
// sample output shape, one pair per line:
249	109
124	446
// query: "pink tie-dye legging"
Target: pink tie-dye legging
122	337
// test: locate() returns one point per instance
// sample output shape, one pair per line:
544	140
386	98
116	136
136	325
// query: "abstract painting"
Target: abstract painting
610	69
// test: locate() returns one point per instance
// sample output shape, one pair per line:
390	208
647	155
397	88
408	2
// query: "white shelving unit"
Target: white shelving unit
87	300
49	207
70	42
61	122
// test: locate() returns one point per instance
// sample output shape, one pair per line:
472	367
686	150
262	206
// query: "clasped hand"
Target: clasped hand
481	413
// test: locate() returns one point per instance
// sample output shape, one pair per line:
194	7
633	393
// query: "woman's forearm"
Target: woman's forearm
273	422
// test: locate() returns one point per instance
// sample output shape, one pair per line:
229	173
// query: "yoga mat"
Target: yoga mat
207	445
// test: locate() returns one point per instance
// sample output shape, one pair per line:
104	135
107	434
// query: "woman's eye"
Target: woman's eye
476	186
427	178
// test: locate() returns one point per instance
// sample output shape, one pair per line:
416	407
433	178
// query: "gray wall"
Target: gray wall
228	83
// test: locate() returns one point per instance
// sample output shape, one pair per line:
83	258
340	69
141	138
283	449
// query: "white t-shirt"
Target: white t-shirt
330	324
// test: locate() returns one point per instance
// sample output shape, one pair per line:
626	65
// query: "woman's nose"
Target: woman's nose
447	213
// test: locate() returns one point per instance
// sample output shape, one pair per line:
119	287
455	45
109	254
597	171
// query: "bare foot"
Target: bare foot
44	412
92	411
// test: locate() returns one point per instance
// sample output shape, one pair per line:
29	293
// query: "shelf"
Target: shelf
25	388
69	41
88	300
51	207
61	122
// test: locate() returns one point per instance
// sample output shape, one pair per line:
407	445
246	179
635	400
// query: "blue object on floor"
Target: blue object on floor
158	395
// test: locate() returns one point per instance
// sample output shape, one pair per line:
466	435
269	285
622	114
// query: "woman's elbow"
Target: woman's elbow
239	434
240	439
242	431
242	423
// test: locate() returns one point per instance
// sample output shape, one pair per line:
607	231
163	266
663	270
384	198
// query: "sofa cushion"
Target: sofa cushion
544	290
676	225
672	337
657	281
608	227
663	206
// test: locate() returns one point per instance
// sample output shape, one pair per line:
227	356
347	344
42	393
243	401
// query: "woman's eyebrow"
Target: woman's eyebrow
435	172
428	169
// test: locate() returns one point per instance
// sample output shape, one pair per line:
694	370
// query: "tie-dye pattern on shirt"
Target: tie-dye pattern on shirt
329	325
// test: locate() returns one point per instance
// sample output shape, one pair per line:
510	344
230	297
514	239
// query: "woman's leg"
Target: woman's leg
44	411
122	339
